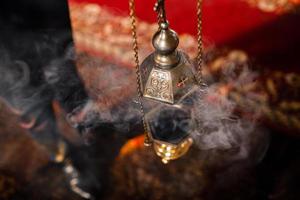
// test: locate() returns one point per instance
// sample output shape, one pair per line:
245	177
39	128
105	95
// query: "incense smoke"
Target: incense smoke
112	103
30	89
223	124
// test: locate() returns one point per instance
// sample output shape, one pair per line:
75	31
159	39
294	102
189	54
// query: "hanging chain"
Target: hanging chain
199	43
160	9
147	141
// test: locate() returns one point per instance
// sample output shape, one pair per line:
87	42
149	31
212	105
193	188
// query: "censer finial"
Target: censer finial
165	42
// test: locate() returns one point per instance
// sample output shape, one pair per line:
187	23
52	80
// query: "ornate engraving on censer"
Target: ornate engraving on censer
159	86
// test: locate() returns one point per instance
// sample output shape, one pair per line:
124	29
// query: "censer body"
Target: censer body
165	79
167	76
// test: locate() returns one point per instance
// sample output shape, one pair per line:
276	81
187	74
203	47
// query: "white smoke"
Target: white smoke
220	128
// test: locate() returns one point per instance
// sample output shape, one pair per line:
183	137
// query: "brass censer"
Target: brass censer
165	81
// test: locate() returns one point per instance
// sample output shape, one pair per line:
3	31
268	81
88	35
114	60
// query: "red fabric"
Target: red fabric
222	19
271	38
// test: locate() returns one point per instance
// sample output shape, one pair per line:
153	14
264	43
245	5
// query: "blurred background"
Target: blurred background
70	127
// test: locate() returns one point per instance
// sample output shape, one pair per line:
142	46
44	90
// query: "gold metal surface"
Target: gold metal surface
169	152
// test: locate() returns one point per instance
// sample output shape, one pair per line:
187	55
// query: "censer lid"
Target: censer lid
165	42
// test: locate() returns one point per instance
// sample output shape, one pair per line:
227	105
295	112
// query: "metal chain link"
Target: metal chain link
199	43
159	7
132	14
161	15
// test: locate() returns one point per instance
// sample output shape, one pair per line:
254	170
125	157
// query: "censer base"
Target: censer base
169	151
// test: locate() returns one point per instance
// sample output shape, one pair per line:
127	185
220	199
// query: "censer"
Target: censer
165	80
